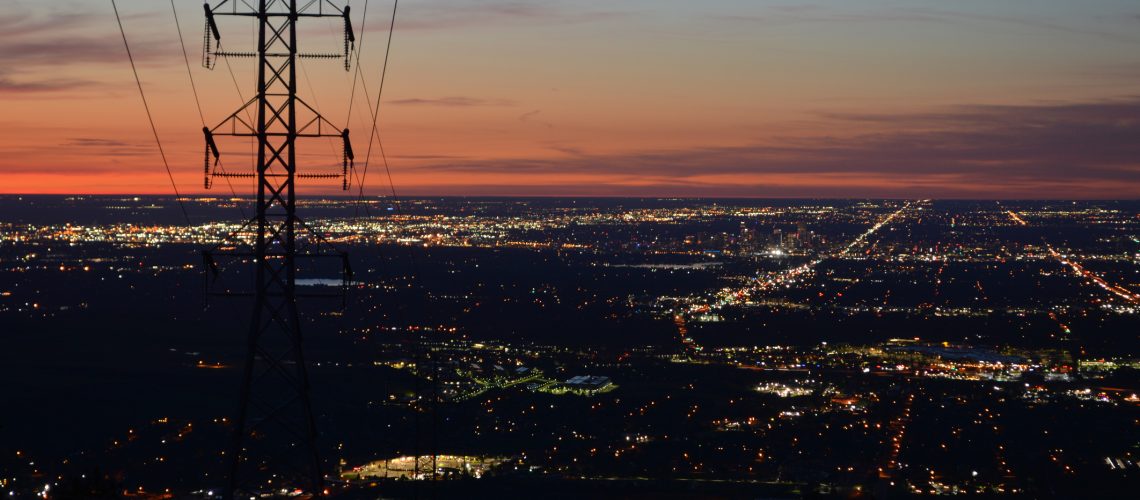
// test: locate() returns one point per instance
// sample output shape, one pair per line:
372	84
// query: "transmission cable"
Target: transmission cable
359	51
356	75
374	136
376	115
198	102
150	117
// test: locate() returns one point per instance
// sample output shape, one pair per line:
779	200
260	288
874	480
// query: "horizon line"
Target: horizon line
188	197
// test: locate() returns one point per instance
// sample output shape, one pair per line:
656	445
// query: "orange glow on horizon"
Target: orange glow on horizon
565	100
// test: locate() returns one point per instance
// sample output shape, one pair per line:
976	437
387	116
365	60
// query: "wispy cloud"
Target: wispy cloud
57	39
1047	150
9	85
787	15
87	142
466	13
79	50
532	117
427	157
450	102
17	23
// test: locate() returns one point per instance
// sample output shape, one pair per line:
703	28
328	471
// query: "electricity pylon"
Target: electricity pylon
274	444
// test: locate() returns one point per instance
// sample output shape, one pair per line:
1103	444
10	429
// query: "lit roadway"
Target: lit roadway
1119	291
782	277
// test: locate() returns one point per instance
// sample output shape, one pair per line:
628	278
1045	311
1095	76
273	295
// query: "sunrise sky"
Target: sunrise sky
842	98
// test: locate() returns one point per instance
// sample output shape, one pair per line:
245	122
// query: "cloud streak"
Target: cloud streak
10	86
1051	150
450	102
789	15
87	142
465	13
56	38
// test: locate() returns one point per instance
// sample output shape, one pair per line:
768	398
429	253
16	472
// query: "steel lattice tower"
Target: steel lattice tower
274	440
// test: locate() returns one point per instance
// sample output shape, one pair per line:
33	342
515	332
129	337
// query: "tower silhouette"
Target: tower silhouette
274	443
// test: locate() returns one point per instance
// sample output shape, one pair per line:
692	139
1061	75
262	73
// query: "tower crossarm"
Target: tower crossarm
310	123
308	8
289	9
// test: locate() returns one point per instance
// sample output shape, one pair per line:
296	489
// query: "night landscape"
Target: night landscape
716	266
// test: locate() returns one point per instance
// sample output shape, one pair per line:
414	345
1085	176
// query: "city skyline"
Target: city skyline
743	99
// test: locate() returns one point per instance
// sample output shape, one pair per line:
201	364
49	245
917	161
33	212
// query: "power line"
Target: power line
197	101
193	87
252	144
375	136
150	117
376	115
359	76
359	50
